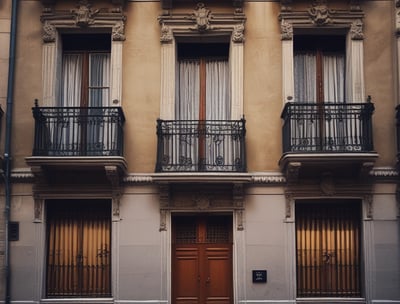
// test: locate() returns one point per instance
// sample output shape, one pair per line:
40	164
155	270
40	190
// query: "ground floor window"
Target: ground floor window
328	248
78	248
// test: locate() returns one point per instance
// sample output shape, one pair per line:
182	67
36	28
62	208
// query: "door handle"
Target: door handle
208	280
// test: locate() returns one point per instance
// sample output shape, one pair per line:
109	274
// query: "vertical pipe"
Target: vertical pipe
7	148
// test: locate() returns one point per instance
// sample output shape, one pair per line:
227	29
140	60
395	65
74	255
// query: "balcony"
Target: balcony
329	137
78	141
201	146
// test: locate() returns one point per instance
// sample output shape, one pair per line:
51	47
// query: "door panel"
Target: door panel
186	272
219	274
202	267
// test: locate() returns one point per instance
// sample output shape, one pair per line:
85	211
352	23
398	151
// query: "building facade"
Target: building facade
230	151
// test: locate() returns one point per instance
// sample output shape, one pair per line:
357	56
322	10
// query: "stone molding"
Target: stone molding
384	174
319	14
200	21
81	18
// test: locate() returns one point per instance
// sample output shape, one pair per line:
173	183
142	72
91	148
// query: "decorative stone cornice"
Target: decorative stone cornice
384	173
319	14
84	16
389	174
268	178
200	21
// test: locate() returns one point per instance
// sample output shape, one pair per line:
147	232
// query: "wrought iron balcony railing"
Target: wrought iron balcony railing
201	146
78	131
327	127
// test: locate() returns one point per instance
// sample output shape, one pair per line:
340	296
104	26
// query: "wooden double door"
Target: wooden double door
202	260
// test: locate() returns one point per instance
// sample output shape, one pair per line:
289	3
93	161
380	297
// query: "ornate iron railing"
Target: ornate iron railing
78	131
201	146
327	127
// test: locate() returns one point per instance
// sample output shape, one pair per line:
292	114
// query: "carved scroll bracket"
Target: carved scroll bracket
238	204
38	209
164	191
368	207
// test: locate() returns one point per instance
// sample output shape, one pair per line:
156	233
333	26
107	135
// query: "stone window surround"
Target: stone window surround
205	25
83	19
319	17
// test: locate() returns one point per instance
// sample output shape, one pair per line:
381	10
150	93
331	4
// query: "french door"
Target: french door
319	67
202	260
203	102
84	92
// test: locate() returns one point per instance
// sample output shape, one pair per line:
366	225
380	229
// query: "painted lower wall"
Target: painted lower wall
141	253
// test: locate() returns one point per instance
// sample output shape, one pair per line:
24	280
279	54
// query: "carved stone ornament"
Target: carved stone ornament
203	21
83	17
166	34
118	31
327	184
286	30
202	16
369	206
286	5
288	206
116	209
355	5
238	33
356	30
38	210
49	32
319	13
202	201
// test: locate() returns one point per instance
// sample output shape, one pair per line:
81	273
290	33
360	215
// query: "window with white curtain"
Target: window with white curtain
203	95
84	89
319	84
319	67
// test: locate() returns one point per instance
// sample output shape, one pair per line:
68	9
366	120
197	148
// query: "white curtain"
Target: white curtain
334	69
99	79
65	136
188	90
334	90
218	103
220	147
71	80
304	126
305	75
100	129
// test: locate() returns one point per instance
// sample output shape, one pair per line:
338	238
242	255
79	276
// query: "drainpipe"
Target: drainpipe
7	145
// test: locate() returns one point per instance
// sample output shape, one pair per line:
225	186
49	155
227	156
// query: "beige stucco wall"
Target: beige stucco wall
28	77
263	100
380	75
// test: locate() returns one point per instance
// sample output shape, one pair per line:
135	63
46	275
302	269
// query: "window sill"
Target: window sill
77	300
330	300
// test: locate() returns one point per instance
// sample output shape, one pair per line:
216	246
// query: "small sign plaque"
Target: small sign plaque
259	276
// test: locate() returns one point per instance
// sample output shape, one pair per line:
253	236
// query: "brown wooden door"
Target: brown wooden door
202	260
